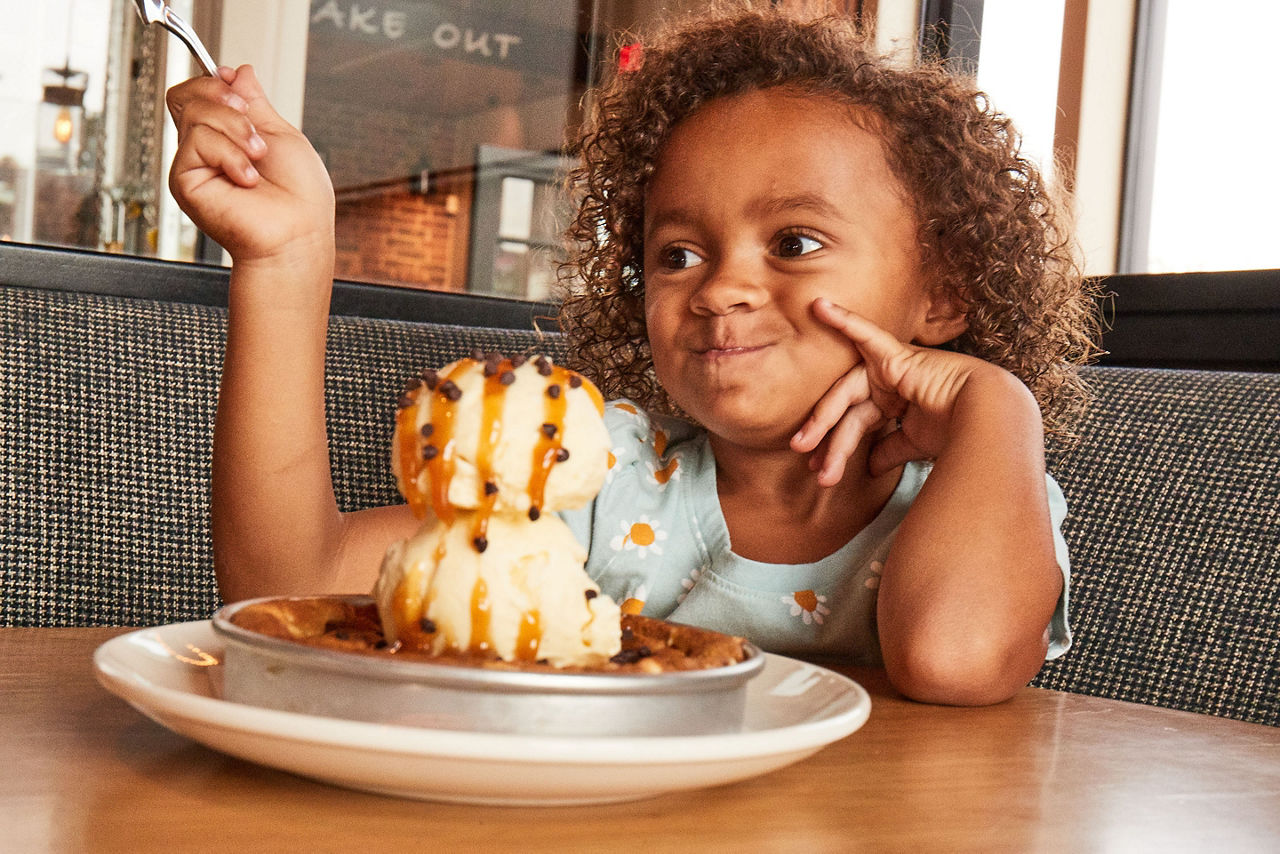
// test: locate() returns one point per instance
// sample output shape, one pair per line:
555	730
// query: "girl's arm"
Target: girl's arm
971	580
255	185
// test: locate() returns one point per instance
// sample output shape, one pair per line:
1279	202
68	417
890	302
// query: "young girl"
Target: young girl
838	301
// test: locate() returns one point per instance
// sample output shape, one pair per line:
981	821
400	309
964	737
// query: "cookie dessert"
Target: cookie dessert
647	645
485	450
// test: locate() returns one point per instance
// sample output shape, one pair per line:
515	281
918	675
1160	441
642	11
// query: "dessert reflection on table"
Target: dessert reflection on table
1045	771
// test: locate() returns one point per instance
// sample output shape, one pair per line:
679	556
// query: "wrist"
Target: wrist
296	276
995	402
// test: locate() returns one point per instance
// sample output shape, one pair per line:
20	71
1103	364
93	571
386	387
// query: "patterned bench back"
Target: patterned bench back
106	435
105	440
1174	529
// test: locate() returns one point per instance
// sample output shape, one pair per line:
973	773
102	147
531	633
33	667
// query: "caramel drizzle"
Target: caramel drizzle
548	450
529	637
481	614
440	468
491	425
409	457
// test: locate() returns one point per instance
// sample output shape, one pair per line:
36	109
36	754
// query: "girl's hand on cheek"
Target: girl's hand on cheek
917	386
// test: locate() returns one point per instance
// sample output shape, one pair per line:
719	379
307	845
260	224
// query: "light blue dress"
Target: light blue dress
656	535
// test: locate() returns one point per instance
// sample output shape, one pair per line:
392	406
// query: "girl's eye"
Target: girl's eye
679	258
795	245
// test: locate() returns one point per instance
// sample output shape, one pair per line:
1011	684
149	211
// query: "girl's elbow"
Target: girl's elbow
974	671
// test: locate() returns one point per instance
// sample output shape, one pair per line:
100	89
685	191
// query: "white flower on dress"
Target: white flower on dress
688	582
616	455
809	606
634	603
641	536
877	569
667	473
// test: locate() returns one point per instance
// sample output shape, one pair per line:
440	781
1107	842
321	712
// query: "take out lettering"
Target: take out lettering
393	24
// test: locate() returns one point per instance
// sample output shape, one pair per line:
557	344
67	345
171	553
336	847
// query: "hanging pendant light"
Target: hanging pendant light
60	118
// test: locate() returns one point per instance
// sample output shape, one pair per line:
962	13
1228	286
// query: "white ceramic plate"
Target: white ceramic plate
172	674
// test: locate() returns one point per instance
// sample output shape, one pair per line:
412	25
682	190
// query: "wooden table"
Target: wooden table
80	770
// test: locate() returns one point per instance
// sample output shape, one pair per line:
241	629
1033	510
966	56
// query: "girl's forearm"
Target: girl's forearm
972	579
275	519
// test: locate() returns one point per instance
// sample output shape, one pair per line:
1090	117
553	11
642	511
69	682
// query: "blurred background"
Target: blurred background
444	122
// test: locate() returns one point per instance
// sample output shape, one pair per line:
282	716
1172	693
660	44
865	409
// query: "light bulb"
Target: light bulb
62	126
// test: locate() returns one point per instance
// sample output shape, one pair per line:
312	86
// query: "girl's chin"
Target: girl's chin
751	434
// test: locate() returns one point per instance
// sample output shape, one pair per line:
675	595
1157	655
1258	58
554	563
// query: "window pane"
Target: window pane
1018	67
1214	185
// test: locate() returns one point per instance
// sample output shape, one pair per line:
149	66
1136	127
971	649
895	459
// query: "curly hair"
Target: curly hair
991	233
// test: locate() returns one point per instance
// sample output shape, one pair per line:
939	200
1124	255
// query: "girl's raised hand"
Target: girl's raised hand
244	175
917	386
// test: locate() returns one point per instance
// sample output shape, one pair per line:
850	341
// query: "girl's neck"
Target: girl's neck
777	512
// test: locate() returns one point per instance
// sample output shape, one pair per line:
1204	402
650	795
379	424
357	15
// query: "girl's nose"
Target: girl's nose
730	286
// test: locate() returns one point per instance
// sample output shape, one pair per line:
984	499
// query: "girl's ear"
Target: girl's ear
946	317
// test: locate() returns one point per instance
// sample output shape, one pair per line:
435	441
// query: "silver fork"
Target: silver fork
158	12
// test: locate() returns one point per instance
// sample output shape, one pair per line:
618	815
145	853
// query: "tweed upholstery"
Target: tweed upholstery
106	425
106	419
1174	530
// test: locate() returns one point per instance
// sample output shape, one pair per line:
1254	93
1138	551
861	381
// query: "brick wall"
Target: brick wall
400	238
391	235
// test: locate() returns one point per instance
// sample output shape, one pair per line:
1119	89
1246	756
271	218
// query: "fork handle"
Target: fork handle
174	24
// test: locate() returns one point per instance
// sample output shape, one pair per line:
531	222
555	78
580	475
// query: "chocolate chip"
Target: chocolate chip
477	354
429	452
553	391
562	454
631	656
427	625
507	378
574	381
490	488
404	401
427	429
590	594
450	390
380	644
480	543
518	360
490	368
534	513
431	378
544	365
549	430
341	635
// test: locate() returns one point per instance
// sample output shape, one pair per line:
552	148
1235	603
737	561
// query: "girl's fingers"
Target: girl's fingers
892	451
850	389
844	438
200	93
211	103
877	346
207	148
258	106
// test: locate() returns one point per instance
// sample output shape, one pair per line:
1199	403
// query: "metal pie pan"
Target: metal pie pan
273	673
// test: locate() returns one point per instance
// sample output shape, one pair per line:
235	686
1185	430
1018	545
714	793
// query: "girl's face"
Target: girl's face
760	203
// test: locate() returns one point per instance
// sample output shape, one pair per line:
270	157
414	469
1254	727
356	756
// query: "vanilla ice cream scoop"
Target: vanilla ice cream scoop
500	436
524	598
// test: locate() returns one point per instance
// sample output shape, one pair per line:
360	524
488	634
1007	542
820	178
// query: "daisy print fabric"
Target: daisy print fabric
658	544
